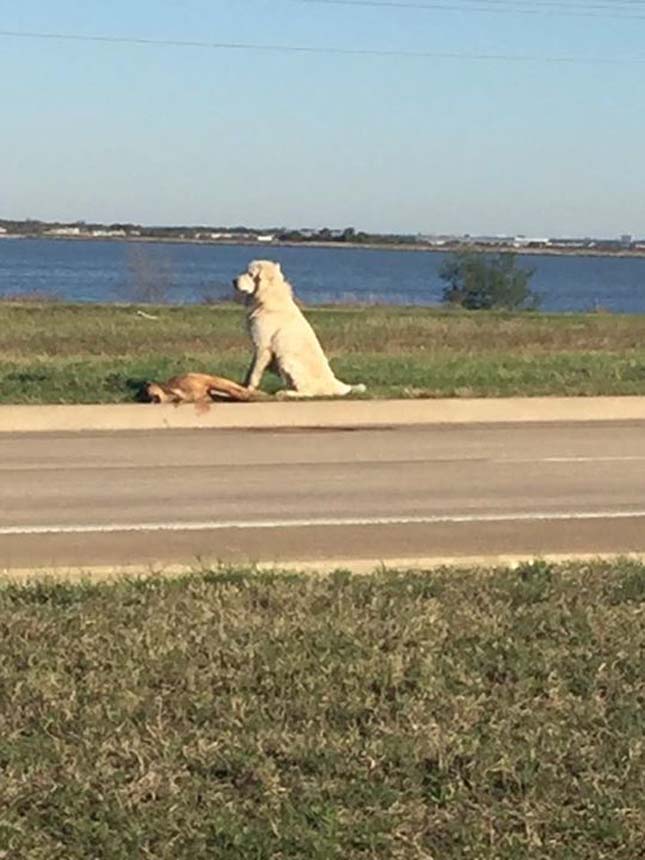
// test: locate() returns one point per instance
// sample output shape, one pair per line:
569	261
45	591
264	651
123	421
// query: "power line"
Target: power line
312	49
532	5
497	7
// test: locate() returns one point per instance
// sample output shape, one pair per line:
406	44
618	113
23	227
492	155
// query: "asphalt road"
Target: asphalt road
75	499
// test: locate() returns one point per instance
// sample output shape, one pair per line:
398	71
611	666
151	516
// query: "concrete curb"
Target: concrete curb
327	414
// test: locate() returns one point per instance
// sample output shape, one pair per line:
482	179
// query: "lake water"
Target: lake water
88	271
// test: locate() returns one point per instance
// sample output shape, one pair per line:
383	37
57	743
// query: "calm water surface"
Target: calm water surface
87	271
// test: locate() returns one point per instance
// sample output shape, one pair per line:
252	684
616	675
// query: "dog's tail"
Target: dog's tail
358	389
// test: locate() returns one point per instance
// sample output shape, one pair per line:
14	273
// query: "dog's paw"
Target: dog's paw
289	394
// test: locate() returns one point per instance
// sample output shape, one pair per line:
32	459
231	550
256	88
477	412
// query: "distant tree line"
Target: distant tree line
347	236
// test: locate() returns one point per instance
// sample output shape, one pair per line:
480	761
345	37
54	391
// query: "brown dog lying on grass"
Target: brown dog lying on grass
201	388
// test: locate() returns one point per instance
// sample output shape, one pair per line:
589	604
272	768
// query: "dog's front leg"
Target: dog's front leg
261	361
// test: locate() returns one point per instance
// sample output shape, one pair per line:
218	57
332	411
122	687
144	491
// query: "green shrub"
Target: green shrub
483	282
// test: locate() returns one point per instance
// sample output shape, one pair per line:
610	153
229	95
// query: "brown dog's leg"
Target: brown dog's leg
220	387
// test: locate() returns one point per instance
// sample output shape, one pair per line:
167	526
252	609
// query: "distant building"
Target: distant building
435	241
530	242
626	240
108	234
572	243
266	238
2	230
64	231
489	240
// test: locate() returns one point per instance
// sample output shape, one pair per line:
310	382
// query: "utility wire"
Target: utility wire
552	9
628	5
532	6
311	49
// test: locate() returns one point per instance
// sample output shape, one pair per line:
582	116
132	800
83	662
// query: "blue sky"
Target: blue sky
189	135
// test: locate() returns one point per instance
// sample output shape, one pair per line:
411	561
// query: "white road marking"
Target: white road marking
425	461
447	519
575	460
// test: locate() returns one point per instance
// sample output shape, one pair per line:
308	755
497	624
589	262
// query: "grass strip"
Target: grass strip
57	353
406	714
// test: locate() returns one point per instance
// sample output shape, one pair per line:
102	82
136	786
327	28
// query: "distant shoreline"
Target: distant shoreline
368	246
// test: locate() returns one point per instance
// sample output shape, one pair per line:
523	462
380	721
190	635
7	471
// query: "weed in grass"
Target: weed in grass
630	588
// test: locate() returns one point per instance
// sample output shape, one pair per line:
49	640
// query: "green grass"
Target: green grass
57	353
231	715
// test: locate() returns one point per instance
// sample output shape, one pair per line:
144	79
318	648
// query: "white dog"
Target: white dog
283	338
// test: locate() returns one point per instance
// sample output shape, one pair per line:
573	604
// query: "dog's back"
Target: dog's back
196	388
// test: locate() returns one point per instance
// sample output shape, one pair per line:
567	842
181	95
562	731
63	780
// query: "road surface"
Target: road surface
176	496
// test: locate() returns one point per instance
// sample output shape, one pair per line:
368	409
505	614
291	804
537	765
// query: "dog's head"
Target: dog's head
152	392
263	281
